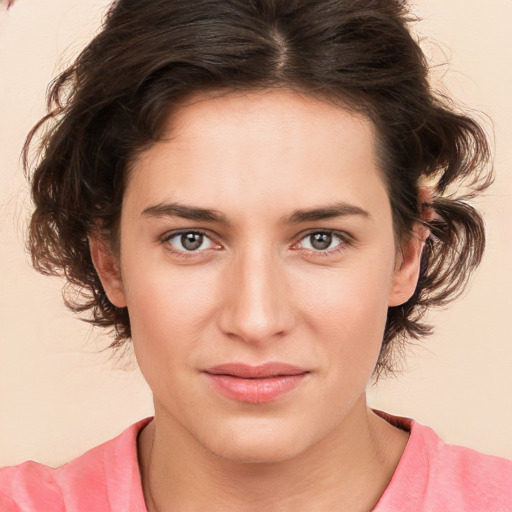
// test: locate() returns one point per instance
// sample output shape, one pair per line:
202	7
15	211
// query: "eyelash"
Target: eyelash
343	238
184	254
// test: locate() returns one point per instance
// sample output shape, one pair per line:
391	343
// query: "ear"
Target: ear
107	266
407	269
408	263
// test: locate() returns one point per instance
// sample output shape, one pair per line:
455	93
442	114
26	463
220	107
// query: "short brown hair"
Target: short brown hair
151	54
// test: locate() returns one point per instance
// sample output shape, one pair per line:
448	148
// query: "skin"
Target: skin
259	290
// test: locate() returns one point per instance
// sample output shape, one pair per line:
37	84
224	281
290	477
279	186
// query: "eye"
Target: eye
323	241
190	242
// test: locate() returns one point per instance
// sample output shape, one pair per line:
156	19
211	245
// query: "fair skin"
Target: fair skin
258	283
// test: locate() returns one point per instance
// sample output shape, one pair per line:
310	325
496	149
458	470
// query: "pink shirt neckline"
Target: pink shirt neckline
122	475
407	475
409	479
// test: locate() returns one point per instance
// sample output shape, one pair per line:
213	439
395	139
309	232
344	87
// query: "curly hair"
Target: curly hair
113	101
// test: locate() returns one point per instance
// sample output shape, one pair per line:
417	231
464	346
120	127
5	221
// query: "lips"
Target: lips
255	384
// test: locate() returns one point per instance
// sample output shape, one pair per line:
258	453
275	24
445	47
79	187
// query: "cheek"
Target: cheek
355	298
347	309
168	308
169	316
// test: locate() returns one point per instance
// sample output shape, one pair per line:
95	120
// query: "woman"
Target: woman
258	196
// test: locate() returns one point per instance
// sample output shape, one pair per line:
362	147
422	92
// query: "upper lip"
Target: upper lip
246	371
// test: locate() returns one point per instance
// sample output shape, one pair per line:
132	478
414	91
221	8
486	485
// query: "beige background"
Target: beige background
59	395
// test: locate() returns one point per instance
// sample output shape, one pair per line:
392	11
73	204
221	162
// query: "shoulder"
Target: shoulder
433	476
85	483
467	475
29	486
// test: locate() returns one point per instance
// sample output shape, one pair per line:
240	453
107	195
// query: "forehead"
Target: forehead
245	149
273	118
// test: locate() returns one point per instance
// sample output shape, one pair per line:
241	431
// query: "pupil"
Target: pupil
321	241
192	241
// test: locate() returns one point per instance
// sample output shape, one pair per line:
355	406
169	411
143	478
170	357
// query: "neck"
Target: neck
347	470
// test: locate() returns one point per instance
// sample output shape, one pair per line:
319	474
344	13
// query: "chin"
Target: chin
258	451
258	443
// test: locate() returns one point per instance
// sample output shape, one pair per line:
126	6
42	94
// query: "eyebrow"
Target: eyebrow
340	209
185	212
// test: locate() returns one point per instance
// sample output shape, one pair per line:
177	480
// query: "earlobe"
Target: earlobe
107	267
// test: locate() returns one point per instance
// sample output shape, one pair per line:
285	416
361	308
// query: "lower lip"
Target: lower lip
255	391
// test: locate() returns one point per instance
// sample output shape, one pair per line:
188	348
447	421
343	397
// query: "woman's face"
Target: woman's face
257	263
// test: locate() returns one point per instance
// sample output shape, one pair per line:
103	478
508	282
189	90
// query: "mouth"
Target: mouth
255	384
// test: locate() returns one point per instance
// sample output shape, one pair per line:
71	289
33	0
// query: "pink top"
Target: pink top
431	476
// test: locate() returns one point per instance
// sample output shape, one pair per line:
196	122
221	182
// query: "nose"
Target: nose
258	304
